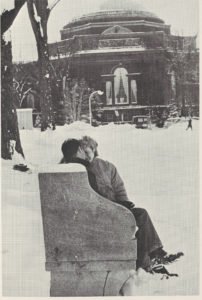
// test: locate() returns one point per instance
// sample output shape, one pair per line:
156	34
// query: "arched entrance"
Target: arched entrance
121	86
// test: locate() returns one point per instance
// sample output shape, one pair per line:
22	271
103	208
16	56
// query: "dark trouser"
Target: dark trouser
147	237
189	126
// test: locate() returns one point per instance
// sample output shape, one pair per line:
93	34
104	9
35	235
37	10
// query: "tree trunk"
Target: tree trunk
48	118
46	73
79	106
9	123
74	102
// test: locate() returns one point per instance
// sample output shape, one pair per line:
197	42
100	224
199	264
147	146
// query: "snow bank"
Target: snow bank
160	168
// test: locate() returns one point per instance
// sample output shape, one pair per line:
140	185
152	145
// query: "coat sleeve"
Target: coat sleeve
119	189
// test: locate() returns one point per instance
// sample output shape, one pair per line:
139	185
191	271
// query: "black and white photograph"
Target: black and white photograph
100	146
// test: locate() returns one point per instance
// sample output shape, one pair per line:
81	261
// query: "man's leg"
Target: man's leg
147	237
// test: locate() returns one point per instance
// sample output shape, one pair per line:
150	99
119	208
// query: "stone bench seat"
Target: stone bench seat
90	243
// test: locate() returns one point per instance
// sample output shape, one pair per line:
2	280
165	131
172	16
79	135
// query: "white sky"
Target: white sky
182	15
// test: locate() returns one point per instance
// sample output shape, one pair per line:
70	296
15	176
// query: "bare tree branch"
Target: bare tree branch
43	12
42	8
54	4
35	24
9	16
17	84
23	96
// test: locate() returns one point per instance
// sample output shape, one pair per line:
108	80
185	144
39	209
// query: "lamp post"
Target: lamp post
90	99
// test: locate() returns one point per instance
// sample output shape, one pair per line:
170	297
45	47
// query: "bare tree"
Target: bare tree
8	16
9	123
39	12
182	64
22	90
76	95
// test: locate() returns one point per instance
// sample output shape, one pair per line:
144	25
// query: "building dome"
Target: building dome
120	4
116	10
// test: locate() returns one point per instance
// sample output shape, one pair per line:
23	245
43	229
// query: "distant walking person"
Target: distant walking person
189	124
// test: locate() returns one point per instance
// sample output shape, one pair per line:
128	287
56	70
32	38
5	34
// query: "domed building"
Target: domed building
122	50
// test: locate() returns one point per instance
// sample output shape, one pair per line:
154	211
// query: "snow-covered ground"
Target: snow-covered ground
160	168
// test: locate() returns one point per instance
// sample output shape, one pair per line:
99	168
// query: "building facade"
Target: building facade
131	56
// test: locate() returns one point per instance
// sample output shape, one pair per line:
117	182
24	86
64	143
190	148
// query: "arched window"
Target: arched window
121	86
109	92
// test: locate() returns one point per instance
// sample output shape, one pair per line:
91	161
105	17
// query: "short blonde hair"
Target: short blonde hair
87	141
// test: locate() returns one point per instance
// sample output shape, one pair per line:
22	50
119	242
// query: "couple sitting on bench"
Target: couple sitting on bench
106	181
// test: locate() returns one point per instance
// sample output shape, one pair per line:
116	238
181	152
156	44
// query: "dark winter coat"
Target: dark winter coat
105	180
108	182
85	163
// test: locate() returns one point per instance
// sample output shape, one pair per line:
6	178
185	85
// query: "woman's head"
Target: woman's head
89	145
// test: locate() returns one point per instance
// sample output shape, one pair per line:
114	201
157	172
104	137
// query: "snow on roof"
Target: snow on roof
108	50
119	4
103	50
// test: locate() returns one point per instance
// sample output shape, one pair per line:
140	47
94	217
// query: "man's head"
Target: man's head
71	149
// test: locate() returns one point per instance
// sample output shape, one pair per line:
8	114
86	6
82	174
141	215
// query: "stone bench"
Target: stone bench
90	243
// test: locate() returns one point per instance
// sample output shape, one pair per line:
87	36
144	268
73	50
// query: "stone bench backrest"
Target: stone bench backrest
80	225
